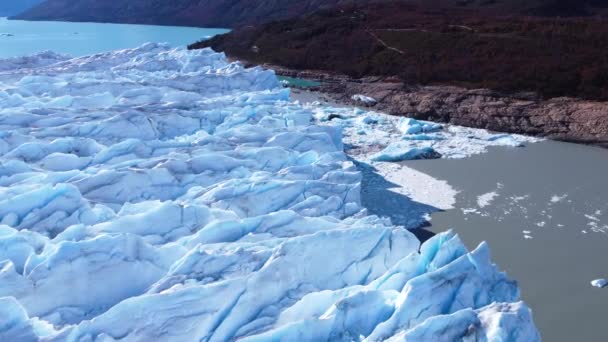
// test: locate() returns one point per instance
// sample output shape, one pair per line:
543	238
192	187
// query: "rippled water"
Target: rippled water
19	37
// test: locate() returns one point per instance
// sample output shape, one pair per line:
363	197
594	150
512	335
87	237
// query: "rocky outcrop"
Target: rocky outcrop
566	119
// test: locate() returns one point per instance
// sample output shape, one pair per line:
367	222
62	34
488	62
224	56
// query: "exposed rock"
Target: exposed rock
567	119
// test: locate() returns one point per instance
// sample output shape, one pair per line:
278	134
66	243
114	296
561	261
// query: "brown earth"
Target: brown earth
564	118
233	13
538	76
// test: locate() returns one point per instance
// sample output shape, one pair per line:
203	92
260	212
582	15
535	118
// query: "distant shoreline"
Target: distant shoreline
541	76
13	18
523	113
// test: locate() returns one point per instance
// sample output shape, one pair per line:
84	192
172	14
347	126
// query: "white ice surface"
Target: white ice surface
368	133
378	143
486	199
154	194
364	99
419	186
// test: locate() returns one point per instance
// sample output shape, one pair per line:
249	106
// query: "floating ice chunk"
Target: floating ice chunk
505	140
599	283
396	152
423	137
413	126
415	185
364	99
467	211
368	120
486	199
557	198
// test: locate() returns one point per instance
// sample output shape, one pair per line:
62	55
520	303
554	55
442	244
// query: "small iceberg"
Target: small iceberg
396	152
601	283
364	99
505	140
413	126
367	120
423	137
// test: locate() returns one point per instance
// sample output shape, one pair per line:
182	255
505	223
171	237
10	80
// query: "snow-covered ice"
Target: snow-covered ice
366	133
158	194
419	186
601	283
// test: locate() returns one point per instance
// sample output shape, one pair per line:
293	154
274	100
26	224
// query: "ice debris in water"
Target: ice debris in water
364	99
601	283
365	133
158	194
395	152
412	126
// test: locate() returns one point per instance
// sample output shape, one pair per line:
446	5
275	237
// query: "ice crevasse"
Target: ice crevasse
159	194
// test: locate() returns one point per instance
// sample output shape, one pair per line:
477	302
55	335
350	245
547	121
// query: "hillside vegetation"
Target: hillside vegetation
551	56
234	13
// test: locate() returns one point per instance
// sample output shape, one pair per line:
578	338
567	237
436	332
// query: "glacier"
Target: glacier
159	194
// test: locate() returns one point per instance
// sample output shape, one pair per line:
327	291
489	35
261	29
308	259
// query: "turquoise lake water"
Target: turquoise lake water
298	82
18	38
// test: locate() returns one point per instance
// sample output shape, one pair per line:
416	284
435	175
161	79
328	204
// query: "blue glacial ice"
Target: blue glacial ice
158	194
413	126
395	153
373	136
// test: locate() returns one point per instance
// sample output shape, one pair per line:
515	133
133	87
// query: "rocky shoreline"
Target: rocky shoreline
564	119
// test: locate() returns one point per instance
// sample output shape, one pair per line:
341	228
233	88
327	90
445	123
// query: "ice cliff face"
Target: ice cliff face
169	195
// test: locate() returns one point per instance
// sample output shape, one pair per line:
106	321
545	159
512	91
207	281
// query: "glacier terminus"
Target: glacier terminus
161	194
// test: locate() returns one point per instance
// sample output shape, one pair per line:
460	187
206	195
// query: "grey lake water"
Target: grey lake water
543	209
18	38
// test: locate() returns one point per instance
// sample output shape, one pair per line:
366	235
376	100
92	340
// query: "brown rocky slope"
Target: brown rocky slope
233	13
539	76
566	119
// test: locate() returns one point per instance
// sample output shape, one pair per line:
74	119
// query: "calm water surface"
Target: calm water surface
544	212
542	208
19	38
